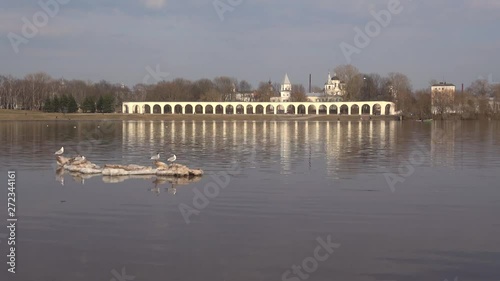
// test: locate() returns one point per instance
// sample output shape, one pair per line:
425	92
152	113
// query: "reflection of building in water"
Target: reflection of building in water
285	146
443	143
344	147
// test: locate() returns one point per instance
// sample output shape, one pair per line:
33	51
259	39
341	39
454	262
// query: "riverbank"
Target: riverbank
23	115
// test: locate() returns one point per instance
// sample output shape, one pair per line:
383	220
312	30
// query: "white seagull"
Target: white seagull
79	158
156	157
60	151
172	159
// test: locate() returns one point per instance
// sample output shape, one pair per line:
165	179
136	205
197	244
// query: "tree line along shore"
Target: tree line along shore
30	115
39	92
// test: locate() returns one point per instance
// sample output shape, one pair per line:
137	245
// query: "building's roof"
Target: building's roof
335	77
286	80
443	84
315	94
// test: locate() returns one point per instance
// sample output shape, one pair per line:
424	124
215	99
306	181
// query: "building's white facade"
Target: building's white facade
442	95
443	87
334	87
333	92
285	91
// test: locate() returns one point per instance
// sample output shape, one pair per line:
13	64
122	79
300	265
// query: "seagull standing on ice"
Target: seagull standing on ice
79	158
156	157
172	159
60	151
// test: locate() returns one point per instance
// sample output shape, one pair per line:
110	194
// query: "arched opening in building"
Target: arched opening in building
344	109
365	109
178	109
269	109
156	109
322	109
334	109
209	109
312	109
147	109
355	110
219	109
290	109
189	109
135	109
198	109
167	109
377	109
240	109
259	109
280	109
125	109
229	109
249	109
301	109
388	109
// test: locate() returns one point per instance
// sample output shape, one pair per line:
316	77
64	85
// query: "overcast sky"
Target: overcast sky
117	40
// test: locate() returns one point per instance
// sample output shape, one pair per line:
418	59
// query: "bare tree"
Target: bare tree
264	92
276	88
244	86
200	87
37	85
212	95
139	92
400	87
298	93
422	108
353	80
226	86
369	90
480	87
482	90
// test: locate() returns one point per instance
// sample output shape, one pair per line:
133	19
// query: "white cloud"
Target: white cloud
154	4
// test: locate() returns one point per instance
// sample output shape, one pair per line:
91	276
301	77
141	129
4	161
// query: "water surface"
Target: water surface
405	201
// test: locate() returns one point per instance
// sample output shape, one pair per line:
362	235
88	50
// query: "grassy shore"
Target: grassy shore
22	115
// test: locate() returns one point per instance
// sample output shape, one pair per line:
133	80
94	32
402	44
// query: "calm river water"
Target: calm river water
294	200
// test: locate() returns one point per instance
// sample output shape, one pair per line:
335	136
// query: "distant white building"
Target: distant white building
443	87
285	91
442	97
334	87
245	96
333	92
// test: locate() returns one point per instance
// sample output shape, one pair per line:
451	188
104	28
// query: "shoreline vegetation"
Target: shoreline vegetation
27	115
43	93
